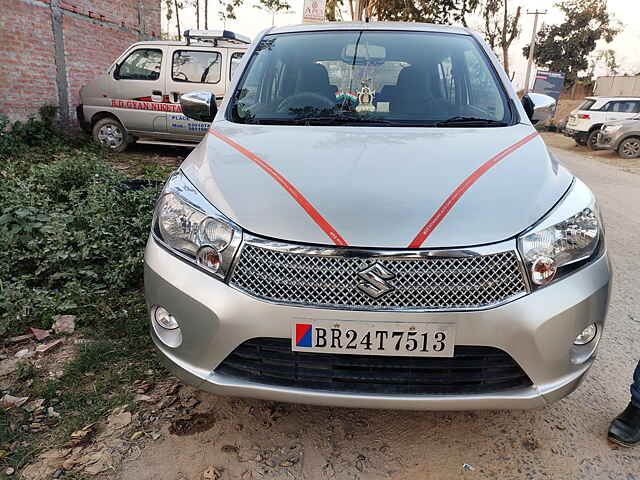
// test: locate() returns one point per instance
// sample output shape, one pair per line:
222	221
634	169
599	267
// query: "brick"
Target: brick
27	58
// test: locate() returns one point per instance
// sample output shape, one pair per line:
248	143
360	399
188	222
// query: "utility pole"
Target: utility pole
532	48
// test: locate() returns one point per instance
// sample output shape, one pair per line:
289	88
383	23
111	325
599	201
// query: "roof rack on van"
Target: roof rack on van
213	36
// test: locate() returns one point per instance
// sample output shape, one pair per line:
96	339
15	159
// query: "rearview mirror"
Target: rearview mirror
539	107
363	55
199	106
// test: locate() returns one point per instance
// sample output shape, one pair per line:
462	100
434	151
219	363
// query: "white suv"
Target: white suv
584	123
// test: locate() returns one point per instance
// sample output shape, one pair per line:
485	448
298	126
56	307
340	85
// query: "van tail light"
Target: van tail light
584	116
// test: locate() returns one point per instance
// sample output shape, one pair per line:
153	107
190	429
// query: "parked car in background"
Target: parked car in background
138	98
374	221
622	136
584	123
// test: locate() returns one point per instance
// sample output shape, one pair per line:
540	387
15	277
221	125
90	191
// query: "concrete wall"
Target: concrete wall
50	48
618	87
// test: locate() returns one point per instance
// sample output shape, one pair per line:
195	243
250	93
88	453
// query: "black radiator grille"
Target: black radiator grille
472	370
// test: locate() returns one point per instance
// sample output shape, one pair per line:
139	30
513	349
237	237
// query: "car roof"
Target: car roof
611	99
175	43
399	26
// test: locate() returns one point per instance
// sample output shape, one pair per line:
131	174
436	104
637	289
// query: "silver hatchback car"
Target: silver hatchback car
622	136
373	221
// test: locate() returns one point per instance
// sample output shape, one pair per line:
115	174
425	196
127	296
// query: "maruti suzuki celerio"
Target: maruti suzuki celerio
373	221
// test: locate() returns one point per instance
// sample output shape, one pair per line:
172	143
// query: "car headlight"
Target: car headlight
186	223
565	239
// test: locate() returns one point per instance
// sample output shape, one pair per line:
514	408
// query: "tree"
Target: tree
443	11
332	10
273	7
606	58
566	47
178	6
227	10
500	31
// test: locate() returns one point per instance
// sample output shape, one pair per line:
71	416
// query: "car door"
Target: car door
622	109
141	103
194	69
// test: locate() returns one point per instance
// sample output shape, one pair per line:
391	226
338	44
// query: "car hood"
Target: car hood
376	186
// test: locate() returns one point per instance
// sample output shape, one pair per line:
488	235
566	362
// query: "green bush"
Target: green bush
72	239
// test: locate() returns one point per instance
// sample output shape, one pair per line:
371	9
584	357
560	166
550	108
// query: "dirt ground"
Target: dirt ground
198	436
250	439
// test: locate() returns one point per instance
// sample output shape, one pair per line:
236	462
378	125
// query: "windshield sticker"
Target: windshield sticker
365	98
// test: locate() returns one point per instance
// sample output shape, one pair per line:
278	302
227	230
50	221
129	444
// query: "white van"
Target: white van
138	98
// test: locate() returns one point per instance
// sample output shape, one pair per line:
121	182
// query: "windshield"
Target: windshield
369	78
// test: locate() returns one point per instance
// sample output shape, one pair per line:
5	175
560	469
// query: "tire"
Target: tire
580	142
629	148
592	140
110	133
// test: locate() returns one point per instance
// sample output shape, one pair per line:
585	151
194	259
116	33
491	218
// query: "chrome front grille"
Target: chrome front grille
329	277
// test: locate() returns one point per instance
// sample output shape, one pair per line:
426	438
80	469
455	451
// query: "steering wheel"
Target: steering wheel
304	99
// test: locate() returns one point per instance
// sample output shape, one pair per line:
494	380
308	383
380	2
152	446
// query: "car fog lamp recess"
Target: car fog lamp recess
164	319
587	335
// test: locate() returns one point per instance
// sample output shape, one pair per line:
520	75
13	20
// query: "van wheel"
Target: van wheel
630	148
592	140
111	134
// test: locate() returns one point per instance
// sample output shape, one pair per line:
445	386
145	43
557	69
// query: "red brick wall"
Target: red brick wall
27	69
95	32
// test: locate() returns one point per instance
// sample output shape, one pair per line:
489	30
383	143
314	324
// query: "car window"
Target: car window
142	64
623	107
484	92
586	105
396	77
236	58
196	66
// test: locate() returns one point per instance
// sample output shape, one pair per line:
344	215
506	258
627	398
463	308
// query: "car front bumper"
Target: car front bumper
537	330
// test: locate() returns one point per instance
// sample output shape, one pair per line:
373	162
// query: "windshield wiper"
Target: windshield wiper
340	120
470	122
322	120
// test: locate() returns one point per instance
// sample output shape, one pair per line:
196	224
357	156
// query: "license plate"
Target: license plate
572	121
375	338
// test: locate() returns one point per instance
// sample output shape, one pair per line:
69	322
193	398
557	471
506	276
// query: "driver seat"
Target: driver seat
314	78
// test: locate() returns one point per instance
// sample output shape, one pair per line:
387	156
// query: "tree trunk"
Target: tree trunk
175	2
505	58
206	14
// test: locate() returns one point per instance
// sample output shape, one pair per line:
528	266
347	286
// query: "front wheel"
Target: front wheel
630	148
592	140
110	133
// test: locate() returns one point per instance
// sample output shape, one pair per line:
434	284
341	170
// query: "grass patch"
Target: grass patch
73	237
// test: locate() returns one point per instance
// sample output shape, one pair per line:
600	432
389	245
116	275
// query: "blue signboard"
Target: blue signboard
549	83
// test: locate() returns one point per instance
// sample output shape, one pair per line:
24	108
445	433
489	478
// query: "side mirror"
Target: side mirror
539	107
199	106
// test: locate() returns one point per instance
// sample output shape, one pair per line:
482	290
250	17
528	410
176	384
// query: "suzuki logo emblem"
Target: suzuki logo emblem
375	280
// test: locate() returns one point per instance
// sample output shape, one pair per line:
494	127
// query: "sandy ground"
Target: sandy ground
250	439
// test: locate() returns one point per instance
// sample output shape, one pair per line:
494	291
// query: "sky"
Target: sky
251	21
